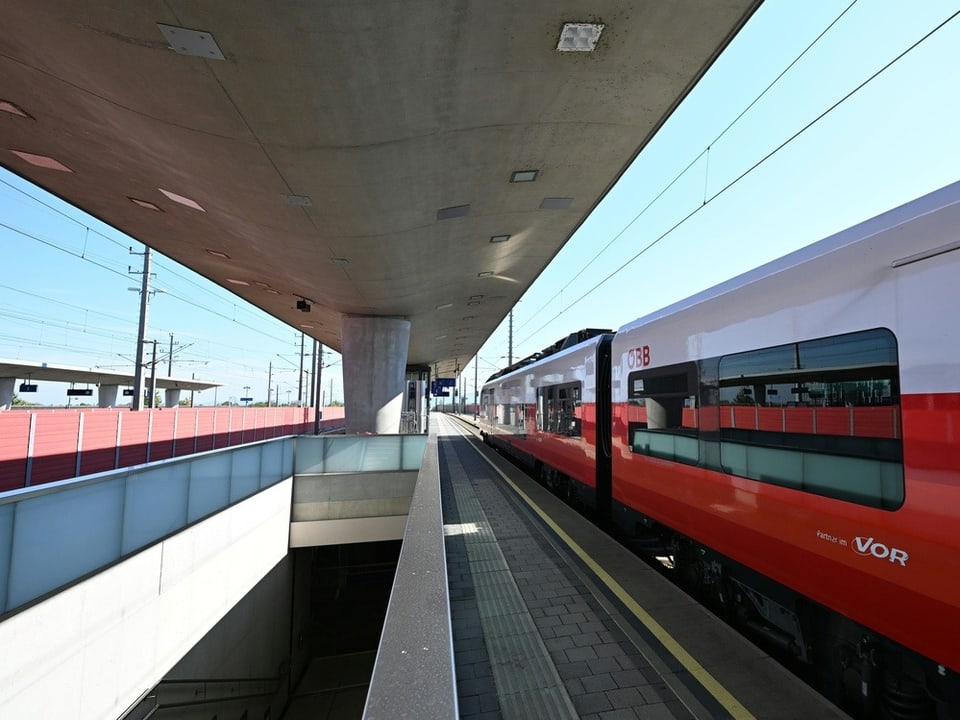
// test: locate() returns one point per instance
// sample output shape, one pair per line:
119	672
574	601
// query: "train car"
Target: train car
792	436
786	442
551	412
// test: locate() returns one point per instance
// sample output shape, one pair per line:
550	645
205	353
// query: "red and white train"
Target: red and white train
790	439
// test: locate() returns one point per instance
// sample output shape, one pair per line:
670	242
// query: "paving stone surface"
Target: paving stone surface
600	673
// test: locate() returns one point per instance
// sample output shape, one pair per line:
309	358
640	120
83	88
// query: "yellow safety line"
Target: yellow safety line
710	683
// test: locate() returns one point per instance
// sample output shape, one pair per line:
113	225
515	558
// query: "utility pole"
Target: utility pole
510	341
137	402
300	378
313	369
153	376
318	415
269	381
170	358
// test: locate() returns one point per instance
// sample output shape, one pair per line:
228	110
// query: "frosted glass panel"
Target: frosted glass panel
209	485
6	535
344	454
381	453
271	463
245	473
63	535
413	448
309	455
156	504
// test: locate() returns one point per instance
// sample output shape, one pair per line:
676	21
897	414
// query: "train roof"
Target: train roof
564	343
932	202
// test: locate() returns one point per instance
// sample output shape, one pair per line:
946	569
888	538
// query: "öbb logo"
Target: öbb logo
638	357
868	546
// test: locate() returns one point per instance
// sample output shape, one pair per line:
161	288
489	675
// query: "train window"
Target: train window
559	409
821	416
663	420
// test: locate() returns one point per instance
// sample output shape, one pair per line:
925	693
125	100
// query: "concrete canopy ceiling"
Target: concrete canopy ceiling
327	143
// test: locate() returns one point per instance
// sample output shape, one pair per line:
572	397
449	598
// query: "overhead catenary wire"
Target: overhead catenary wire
707	200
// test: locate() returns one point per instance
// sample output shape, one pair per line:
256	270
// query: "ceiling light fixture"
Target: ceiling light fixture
452	212
303	305
485	273
473	302
476	297
339	261
298	200
14	109
185	41
444	306
579	37
182	200
41	161
522	176
499	238
237	282
306	327
146	204
556	203
218	254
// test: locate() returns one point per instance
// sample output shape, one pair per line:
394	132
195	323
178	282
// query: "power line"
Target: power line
752	168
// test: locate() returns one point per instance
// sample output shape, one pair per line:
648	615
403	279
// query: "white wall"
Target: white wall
93	649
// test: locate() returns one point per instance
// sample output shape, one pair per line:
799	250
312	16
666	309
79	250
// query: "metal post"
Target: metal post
476	398
170	358
153	376
137	403
300	378
318	415
269	381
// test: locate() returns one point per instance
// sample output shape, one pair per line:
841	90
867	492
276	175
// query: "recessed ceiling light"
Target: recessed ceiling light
307	327
144	204
444	306
237	282
272	291
339	261
520	176
185	41
182	200
499	238
13	109
579	37
486	273
300	200
556	203
452	212
217	253
473	302
469	317
41	161
440	337
476	297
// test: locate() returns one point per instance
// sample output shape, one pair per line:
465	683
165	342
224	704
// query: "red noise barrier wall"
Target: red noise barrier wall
41	445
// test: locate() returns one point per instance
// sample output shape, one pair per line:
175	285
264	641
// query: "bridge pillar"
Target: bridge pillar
374	370
171	397
6	392
107	396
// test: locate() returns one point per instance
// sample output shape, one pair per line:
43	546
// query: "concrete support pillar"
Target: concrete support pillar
107	396
171	397
7	386
374	369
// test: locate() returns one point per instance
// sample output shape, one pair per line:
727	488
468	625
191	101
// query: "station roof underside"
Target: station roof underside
354	157
90	376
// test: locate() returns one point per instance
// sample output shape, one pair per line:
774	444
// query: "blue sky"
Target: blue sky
819	115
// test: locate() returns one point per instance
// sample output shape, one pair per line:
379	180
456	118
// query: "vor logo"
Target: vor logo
869	546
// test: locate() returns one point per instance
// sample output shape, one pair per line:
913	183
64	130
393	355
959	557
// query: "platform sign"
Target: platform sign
249	399
28	387
446	382
80	392
128	392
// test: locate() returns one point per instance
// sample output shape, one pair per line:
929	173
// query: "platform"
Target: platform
552	618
